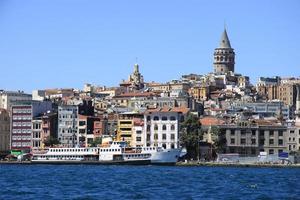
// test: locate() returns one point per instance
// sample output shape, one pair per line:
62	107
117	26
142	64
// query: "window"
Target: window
253	141
164	136
172	127
148	127
253	132
155	136
271	151
156	118
271	133
232	132
172	146
148	118
164	146
280	142
172	118
155	127
172	136
280	133
232	141
138	139
261	133
243	132
243	141
164	127
271	141
164	118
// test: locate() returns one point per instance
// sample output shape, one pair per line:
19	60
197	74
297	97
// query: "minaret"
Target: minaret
297	112
224	56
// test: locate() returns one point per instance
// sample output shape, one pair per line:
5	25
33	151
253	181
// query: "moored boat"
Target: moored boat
113	153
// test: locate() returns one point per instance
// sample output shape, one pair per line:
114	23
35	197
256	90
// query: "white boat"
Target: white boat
113	153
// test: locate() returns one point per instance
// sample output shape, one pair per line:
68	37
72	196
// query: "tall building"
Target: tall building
21	117
67	125
8	98
298	107
224	56
4	130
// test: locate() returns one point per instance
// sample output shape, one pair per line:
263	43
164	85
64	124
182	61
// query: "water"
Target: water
146	182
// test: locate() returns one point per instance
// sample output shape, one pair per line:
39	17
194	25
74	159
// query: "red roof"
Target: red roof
211	121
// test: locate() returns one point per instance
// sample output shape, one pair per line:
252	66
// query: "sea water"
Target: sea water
147	182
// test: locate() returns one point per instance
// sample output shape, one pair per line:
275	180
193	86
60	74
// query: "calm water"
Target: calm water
146	182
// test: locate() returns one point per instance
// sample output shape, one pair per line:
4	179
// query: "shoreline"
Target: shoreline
179	164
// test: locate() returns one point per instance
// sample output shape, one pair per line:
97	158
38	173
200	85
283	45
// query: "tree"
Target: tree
96	142
191	134
50	141
220	141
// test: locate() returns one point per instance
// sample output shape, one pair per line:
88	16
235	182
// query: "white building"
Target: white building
36	133
162	126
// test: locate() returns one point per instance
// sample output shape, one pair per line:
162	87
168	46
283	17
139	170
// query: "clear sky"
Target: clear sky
66	43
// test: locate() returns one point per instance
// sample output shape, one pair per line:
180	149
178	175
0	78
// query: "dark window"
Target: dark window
261	142
164	146
156	118
253	141
232	132
280	142
271	151
243	141
280	133
148	127
172	127
232	141
155	136
138	139
148	118
155	127
261	133
164	136
164	127
172	118
164	118
271	141
253	132
148	137
172	136
81	123
172	146
243	132
271	133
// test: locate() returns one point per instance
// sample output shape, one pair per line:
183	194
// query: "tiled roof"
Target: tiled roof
211	121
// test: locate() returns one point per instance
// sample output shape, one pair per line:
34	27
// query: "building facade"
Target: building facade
161	127
4	130
22	113
8	98
68	125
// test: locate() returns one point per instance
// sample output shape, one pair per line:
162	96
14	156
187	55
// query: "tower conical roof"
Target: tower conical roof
225	43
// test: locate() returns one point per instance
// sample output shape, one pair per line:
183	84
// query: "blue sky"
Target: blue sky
66	43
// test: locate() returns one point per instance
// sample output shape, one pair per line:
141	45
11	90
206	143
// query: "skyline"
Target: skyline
49	45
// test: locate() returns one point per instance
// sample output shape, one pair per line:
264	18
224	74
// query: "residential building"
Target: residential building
49	126
127	127
37	137
248	138
7	98
4	130
68	125
21	122
161	126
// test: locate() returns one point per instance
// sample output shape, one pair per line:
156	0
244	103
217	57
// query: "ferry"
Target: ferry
112	153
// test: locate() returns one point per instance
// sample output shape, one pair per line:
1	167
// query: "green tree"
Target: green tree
219	139
51	141
96	142
191	135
